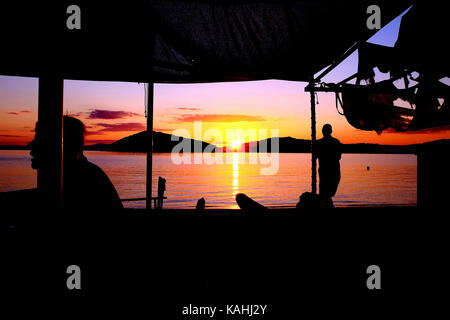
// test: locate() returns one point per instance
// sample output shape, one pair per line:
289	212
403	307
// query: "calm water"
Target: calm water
392	179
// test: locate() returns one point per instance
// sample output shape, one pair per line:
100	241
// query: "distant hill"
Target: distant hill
162	142
9	147
286	145
97	147
293	145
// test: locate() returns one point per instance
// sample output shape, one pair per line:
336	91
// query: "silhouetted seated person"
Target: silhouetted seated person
309	201
247	204
85	186
328	151
200	207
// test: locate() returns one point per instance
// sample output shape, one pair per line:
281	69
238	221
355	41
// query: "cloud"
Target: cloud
78	114
110	114
188	109
218	117
163	130
10	136
16	113
96	141
118	127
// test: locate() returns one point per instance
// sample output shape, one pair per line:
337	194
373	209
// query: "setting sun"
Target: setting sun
236	144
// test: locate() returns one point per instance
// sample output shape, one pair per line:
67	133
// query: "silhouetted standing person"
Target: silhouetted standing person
328	151
85	186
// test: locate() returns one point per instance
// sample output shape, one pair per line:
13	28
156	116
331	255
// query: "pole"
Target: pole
313	138
148	194
149	113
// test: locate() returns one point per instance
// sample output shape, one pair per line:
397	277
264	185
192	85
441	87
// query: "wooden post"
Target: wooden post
313	138
433	173
150	94
50	117
148	194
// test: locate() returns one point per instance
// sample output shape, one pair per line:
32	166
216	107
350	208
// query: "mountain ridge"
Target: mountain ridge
162	142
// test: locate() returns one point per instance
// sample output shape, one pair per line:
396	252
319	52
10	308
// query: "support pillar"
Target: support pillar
313	139
149	172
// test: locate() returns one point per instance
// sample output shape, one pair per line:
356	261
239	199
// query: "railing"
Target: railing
133	199
157	201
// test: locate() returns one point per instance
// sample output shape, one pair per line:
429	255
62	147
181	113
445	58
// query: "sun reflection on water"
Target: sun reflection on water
235	183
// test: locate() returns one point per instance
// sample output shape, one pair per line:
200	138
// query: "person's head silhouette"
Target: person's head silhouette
327	130
74	133
73	142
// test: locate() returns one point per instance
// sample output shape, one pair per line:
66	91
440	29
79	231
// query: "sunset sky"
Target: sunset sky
113	110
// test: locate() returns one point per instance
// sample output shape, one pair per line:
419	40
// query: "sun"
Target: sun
236	144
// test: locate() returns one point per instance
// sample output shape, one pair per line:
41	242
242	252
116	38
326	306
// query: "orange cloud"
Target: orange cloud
16	113
218	118
11	136
96	141
163	130
118	127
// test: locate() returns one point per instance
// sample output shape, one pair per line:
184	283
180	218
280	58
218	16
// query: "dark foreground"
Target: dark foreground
296	263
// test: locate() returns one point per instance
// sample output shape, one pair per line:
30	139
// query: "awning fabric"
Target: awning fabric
183	41
420	49
421	46
423	39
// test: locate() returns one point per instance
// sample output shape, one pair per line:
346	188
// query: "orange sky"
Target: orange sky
113	110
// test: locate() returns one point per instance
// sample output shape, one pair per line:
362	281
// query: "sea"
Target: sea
275	180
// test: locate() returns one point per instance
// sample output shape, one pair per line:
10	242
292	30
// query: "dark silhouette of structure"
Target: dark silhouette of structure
86	186
158	201
328	151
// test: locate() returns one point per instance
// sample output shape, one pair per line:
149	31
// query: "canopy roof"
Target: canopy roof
423	38
184	41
